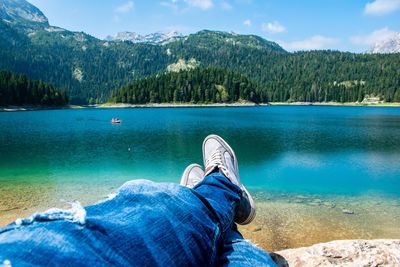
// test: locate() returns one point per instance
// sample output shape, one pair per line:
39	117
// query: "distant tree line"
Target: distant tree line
317	76
209	85
16	89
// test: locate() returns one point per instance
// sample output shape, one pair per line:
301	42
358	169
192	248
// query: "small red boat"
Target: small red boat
116	121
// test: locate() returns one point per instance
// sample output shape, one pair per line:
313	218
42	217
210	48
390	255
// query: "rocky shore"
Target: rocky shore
380	252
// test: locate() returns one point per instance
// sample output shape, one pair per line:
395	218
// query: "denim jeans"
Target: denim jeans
144	224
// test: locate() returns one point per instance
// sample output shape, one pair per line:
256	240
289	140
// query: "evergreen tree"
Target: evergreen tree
18	90
195	86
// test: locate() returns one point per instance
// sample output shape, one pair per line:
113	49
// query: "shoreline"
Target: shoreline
191	105
339	248
36	108
283	221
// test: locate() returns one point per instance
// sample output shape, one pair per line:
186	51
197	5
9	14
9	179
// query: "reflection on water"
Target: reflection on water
50	157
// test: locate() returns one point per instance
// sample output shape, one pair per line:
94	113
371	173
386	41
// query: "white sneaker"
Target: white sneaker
192	175
217	154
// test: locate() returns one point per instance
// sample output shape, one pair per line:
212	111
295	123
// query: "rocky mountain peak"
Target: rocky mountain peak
152	38
21	11
389	45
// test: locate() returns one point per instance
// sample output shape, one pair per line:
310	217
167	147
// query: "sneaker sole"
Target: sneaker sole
252	214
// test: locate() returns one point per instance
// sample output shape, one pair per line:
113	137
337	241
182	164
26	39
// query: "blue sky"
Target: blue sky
347	25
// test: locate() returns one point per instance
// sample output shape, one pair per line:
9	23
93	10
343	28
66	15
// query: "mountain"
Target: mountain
153	38
22	13
389	45
210	40
90	69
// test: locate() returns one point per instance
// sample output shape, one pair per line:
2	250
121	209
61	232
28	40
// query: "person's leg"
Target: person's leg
236	250
144	224
223	199
240	252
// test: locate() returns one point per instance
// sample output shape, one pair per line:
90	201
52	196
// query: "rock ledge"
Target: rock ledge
381	252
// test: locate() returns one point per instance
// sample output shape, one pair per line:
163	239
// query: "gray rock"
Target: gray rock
346	253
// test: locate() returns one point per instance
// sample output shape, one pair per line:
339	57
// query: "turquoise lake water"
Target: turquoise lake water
334	150
304	160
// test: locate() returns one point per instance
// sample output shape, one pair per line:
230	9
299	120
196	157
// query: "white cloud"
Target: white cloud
381	7
374	37
125	8
313	43
226	6
171	4
273	27
185	5
202	4
247	23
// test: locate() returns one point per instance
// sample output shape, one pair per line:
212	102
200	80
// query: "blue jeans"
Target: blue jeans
144	224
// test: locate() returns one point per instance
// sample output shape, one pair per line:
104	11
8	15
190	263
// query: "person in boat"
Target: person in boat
148	224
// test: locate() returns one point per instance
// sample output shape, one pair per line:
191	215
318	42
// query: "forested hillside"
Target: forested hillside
19	90
87	67
313	76
90	69
196	86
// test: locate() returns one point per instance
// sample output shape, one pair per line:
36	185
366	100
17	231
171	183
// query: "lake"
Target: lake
318	173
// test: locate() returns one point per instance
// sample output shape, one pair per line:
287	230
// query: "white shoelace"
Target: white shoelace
215	159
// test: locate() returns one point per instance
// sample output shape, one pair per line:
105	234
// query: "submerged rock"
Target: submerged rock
346	211
329	204
255	228
346	253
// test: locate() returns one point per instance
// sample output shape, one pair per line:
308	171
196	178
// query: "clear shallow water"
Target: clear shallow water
332	152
